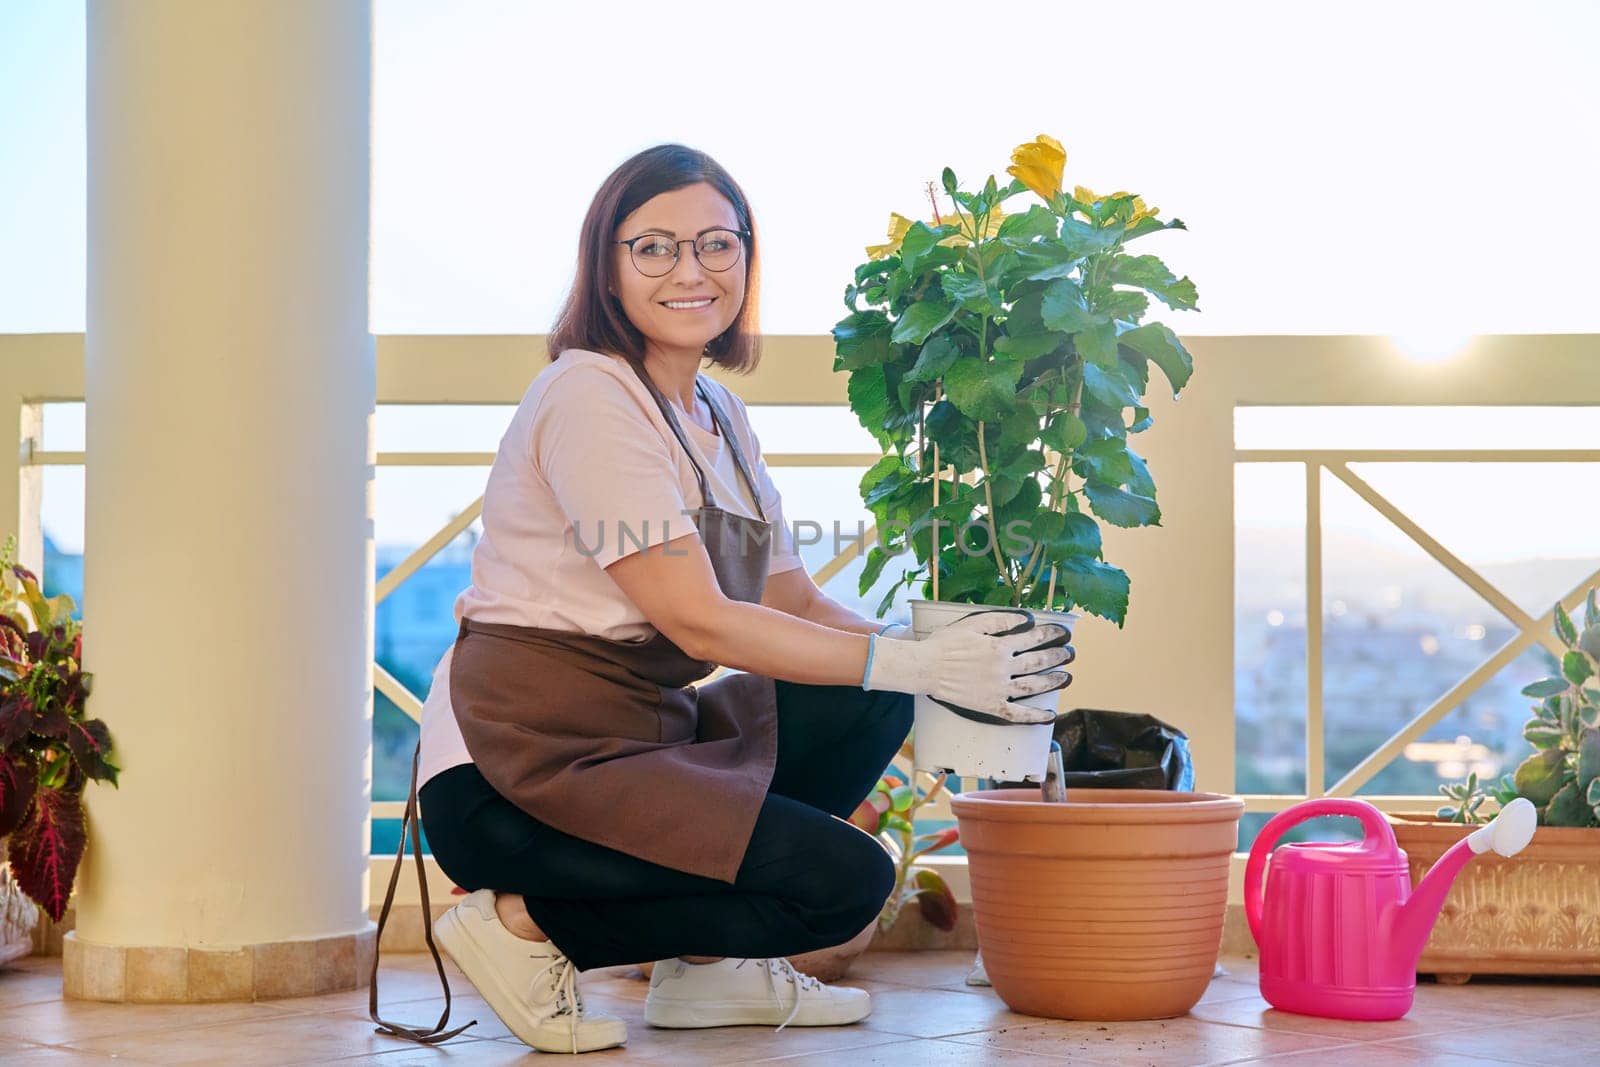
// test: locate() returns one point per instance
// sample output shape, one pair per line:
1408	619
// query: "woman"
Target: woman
601	808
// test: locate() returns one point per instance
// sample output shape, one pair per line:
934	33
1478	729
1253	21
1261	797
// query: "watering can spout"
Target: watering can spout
1506	834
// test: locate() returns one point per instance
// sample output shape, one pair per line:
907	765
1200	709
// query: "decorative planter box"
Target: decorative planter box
18	914
1536	913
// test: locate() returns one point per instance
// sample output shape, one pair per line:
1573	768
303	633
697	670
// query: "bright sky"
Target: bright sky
1407	168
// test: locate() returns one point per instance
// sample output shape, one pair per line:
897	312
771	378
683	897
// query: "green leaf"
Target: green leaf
1028	346
869	400
900	798
936	356
935	901
1066	534
919	240
1150	224
1547	688
1064	432
1019	430
971	576
896	822
1152	275
1539	776
1161	346
1541	734
1588	757
1564	628
1107	461
1122	508
983	390
1064	307
1576	668
1021	504
1125	304
861	340
1591	608
1593	796
1098	345
920	320
1097	587
1567	808
887	487
880	470
1037	221
1085	239
1108	387
970	292
888	599
870	573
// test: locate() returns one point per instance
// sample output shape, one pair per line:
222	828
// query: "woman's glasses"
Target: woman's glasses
655	254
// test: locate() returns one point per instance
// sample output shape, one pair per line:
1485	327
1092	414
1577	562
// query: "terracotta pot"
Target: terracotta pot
1535	913
1107	907
824	964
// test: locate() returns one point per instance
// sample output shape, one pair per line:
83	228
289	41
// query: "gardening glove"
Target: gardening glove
982	663
898	631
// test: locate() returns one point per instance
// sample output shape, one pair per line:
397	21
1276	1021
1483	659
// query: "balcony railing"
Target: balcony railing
1181	617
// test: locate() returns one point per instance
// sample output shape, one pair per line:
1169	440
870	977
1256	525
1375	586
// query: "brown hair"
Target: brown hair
592	319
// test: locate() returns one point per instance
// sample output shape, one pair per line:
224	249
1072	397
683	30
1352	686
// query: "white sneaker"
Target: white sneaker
735	992
531	985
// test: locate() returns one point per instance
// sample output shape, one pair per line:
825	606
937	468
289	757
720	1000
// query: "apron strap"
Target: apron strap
411	822
671	416
733	444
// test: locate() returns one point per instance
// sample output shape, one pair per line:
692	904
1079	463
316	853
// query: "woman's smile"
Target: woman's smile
698	304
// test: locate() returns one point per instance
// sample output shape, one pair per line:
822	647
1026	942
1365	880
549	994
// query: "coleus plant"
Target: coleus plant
1014	348
1562	776
49	748
890	813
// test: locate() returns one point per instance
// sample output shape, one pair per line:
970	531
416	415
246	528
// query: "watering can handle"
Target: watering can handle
1373	825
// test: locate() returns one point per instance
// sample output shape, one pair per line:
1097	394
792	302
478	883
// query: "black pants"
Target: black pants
809	880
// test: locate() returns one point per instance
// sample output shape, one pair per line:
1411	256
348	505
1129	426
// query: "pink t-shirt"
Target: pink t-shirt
588	472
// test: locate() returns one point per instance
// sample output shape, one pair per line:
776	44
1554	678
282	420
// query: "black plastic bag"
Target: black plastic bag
1121	750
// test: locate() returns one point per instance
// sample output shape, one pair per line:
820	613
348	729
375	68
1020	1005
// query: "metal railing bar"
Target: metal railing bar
418	559
395	690
1456	566
1314	694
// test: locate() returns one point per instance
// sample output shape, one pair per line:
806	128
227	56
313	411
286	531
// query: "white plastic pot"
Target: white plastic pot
944	741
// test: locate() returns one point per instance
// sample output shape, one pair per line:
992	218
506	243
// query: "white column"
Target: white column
228	544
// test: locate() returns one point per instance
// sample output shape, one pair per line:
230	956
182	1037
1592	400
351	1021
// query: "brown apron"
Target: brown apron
570	727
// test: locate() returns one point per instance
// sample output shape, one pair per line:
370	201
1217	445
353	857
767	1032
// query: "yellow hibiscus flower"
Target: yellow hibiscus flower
1038	165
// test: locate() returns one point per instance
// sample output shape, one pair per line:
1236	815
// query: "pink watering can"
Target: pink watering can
1340	930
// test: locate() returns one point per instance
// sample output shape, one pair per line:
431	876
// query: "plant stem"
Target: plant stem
988	499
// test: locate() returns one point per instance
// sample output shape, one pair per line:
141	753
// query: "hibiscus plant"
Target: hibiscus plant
890	813
1001	361
49	748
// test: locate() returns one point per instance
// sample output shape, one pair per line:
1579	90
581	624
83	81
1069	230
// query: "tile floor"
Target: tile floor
923	1015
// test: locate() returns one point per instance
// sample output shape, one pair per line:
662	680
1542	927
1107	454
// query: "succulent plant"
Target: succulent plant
890	813
1562	776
